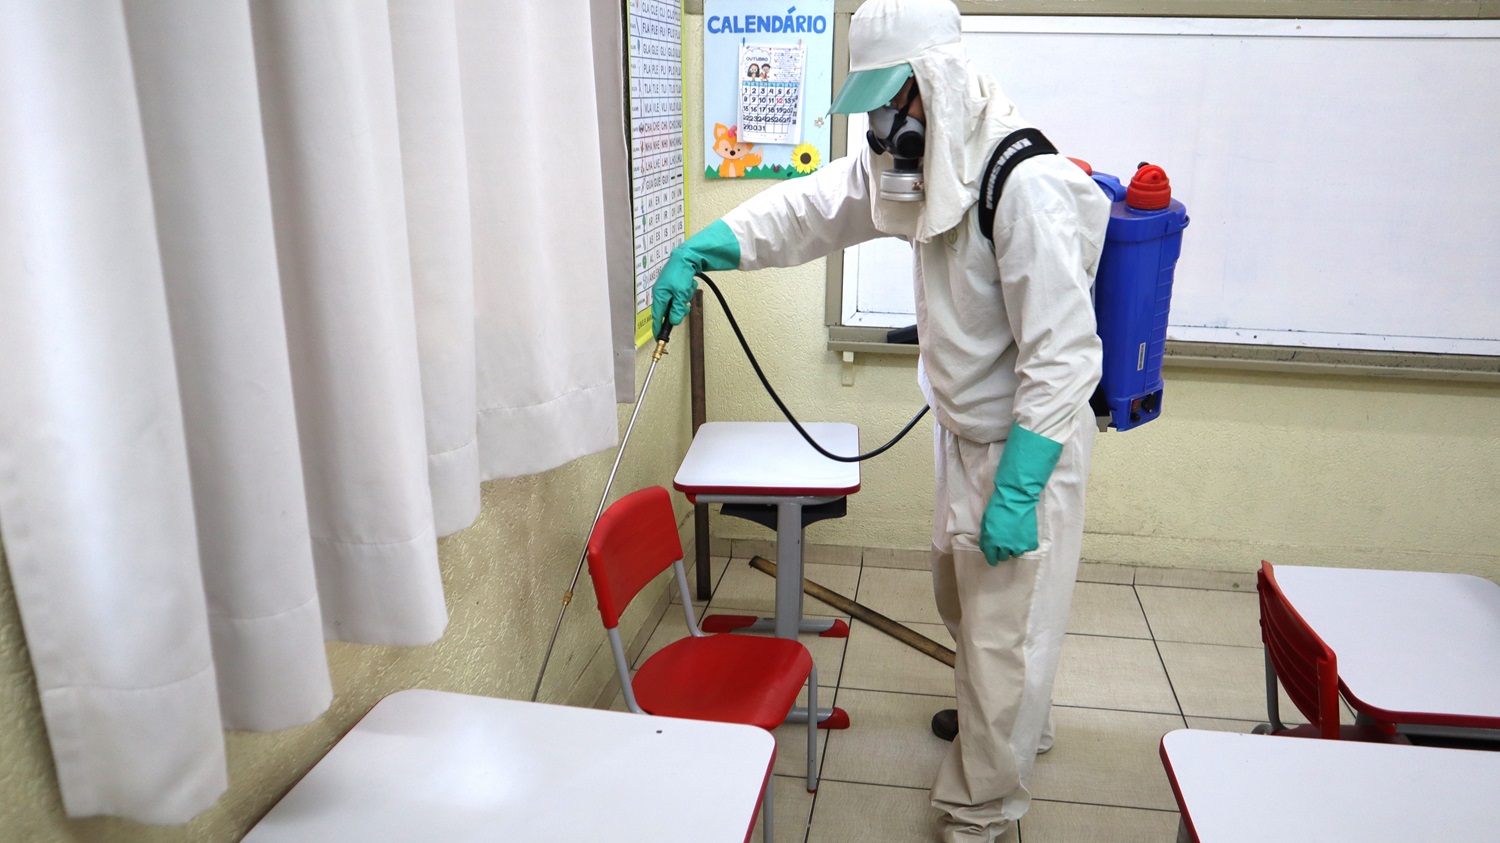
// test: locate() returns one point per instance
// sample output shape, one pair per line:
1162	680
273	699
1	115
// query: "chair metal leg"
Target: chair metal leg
812	731
1273	702
767	811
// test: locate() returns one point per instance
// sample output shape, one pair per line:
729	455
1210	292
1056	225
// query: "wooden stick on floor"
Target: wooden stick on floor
911	638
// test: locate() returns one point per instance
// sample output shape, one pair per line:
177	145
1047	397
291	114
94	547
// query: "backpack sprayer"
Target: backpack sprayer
1132	293
1133	286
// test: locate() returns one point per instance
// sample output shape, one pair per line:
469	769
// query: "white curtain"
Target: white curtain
280	283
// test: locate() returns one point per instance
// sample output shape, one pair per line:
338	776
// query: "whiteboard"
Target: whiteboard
1342	177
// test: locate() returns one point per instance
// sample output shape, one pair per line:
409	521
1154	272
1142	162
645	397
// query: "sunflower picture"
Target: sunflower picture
805	158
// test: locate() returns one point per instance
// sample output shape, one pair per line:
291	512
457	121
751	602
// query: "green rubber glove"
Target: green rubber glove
713	248
1009	525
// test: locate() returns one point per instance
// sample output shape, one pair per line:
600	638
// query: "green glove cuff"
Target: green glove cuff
716	246
1025	465
712	249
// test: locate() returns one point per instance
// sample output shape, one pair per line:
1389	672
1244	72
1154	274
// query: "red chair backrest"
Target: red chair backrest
635	539
1307	667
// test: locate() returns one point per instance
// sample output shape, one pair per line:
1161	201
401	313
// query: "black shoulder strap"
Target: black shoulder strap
1015	148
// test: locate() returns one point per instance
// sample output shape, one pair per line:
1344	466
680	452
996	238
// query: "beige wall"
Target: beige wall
1241	466
504	579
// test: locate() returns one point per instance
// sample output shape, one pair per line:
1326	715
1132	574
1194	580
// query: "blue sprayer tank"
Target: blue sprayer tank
1133	290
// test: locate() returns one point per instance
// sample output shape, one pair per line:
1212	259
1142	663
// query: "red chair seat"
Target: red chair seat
727	678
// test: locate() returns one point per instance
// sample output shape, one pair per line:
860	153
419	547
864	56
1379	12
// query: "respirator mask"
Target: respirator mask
905	138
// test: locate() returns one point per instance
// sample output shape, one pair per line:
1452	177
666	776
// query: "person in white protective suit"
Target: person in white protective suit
1009	358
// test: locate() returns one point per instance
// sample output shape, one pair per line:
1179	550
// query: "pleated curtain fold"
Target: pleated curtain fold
281	282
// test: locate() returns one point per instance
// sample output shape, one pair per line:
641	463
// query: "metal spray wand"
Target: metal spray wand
656	356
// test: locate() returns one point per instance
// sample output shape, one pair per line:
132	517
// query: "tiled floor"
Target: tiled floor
1146	652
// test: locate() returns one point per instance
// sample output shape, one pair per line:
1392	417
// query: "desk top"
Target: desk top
428	765
1240	788
769	459
1413	647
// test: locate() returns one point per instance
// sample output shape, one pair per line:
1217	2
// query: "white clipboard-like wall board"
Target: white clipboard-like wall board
1342	176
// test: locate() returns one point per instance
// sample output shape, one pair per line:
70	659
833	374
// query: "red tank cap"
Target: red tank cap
1087	170
1150	189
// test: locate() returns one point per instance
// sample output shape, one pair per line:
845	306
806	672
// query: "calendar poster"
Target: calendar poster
767	86
771	94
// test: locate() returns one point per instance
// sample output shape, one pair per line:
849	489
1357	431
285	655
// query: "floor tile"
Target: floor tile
1106	758
904	596
1068	822
1242	581
792	805
1197	616
720	547
791	741
746	548
890	741
1100	609
745	589
829	554
822	554
1119	673
1106	572
828	656
717	565
1216	681
866	813
1211	724
876	662
791	738
887	557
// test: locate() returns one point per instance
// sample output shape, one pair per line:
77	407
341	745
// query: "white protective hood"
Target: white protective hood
966	112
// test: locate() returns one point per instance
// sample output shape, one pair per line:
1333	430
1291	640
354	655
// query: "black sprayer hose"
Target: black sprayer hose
754	364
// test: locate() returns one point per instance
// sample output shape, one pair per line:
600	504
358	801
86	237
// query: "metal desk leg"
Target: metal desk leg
788	620
789	598
788	568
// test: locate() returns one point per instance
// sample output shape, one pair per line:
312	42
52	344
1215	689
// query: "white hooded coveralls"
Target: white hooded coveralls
1007	336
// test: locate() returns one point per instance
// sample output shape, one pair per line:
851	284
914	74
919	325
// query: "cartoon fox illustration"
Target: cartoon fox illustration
737	156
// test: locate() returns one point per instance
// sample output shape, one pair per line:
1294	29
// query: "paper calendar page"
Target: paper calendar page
771	79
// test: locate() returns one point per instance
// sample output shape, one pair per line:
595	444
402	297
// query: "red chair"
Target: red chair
1308	669
726	678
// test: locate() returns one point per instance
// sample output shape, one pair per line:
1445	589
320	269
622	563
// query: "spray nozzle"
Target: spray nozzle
662	338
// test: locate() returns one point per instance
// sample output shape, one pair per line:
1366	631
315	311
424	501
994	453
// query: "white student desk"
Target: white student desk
1237	788
770	463
1413	647
428	766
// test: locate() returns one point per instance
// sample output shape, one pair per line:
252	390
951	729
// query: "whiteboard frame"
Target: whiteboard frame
1317	17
